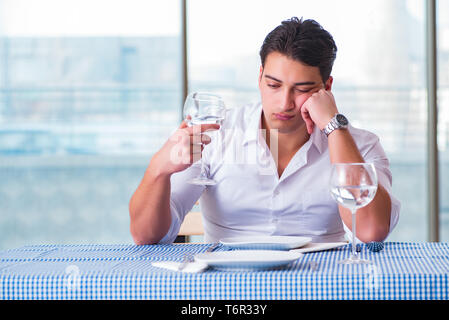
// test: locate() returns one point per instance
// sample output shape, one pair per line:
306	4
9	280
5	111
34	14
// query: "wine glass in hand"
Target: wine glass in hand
353	185
203	108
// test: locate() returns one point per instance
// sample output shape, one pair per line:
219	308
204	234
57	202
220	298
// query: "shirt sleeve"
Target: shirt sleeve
183	196
372	151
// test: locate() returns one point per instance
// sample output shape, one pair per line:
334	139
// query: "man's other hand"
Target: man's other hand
319	109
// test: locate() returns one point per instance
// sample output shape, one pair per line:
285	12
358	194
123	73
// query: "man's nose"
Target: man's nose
288	101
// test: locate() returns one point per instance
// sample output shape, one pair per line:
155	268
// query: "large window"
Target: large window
89	90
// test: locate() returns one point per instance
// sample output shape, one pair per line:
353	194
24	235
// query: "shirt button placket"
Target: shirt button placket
274	219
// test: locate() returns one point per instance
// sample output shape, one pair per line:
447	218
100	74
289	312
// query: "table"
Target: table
400	271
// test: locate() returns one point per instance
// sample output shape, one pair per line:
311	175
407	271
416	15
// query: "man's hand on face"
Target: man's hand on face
318	109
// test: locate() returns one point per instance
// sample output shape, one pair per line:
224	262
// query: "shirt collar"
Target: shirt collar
253	120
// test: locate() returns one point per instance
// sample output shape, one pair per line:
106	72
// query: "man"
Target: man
285	148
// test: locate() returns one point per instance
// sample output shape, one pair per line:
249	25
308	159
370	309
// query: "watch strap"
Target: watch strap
333	125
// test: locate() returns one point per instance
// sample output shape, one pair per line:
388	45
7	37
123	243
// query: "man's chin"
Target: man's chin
285	128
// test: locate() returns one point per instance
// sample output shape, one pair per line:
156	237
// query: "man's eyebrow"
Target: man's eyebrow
296	84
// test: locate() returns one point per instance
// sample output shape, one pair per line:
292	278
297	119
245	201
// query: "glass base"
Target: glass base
353	260
202	181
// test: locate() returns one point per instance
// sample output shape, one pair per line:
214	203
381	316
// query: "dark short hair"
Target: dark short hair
304	41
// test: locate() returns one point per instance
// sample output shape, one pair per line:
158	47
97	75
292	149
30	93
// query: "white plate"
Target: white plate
266	242
248	259
312	247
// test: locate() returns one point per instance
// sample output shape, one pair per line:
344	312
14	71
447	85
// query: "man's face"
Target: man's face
285	84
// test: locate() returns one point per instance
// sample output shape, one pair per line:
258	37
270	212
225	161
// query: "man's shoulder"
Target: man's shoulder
363	135
366	141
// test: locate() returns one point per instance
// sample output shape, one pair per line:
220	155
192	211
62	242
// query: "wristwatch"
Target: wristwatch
339	121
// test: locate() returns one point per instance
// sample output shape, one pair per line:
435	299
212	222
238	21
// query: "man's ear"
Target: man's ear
328	84
260	73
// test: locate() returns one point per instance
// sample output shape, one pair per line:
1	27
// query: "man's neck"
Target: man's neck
288	143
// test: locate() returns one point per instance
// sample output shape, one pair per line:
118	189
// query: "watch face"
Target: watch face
341	119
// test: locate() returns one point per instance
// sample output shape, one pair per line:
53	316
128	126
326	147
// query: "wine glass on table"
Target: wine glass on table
353	186
203	108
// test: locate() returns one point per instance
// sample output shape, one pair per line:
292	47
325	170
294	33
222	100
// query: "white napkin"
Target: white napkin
319	246
191	267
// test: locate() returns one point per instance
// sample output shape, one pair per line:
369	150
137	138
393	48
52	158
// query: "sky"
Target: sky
89	17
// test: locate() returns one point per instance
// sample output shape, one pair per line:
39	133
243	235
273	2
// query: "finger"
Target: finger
184	123
197	149
309	122
305	113
205	139
191	154
200	139
310	126
209	127
307	119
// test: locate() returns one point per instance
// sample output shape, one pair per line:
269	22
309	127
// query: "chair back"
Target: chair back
192	224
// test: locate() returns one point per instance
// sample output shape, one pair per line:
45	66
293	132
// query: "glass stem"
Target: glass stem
354	246
203	167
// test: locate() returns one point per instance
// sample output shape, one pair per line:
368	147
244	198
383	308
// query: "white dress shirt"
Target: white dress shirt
251	199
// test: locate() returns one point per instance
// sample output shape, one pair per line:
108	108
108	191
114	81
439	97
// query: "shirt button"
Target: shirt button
276	193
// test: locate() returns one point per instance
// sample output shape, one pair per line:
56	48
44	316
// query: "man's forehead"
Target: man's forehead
300	83
279	67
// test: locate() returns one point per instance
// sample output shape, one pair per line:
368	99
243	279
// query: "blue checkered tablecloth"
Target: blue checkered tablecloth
400	271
